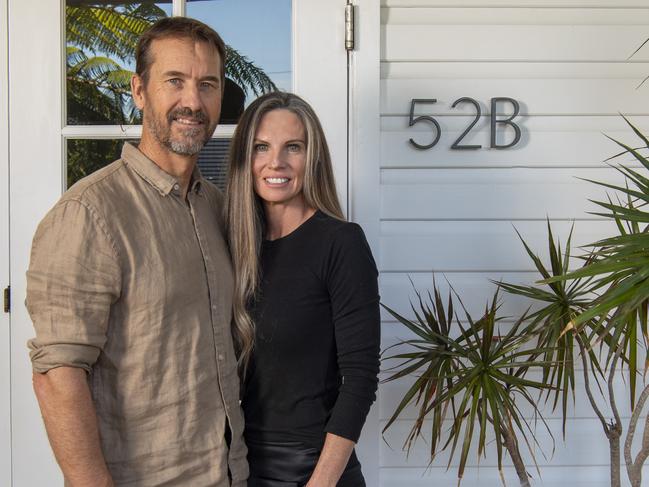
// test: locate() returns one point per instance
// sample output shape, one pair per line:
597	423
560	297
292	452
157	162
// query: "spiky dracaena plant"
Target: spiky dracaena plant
620	272
473	381
559	303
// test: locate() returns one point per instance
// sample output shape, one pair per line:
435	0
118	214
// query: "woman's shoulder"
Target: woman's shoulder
335	230
347	256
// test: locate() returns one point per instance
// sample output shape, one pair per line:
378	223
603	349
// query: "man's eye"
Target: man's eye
174	81
206	85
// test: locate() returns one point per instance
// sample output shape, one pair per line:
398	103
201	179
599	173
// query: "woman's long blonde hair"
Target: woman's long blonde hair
244	213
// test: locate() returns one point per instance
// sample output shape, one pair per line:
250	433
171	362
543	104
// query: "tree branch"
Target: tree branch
611	394
589	392
634	468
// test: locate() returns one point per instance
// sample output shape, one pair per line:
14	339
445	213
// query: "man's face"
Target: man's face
181	100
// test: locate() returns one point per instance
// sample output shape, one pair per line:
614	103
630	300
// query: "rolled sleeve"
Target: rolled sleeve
73	278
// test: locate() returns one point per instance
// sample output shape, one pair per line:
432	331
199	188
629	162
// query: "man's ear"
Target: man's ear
137	90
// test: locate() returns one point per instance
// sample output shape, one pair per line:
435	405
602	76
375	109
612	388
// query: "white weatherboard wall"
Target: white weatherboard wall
567	63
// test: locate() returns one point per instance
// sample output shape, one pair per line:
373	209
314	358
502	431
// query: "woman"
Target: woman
306	294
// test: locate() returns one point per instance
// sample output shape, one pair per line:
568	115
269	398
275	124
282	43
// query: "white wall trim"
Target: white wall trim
178	8
5	319
35	119
364	176
126	131
320	74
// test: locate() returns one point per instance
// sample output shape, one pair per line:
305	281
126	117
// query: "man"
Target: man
130	287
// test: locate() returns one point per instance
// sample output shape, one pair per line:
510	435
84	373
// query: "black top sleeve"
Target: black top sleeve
352	282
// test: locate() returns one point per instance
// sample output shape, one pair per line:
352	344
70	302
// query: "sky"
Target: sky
258	29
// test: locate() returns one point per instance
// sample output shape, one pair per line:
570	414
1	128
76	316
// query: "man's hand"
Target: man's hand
71	424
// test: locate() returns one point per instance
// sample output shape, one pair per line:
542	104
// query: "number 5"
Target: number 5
423	118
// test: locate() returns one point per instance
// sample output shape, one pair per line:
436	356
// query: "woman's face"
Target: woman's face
279	158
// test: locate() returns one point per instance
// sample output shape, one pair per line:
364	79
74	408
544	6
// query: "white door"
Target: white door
41	137
5	404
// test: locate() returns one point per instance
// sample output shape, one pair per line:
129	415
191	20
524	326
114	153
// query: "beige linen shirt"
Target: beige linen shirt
133	283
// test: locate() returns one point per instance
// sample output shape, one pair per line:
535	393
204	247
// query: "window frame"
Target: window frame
116	131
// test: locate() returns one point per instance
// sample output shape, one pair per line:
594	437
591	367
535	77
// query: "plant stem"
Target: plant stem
615	427
612	429
512	447
634	468
614	445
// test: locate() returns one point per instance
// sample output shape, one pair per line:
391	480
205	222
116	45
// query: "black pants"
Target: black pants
290	464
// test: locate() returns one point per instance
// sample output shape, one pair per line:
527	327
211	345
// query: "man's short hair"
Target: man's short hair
180	28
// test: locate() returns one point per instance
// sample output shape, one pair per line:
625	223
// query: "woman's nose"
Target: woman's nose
276	161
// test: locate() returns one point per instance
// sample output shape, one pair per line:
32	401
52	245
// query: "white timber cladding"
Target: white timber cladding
454	212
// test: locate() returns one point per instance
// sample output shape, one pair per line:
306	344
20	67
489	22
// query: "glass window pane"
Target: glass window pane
85	156
212	162
258	36
100	42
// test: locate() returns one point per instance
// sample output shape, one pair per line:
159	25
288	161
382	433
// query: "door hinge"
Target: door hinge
7	299
349	27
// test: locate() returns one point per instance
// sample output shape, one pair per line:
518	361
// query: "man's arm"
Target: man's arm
71	424
73	279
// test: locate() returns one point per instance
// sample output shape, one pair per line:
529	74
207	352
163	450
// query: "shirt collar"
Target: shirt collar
196	182
153	174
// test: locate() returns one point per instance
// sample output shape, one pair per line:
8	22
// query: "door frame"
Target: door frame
5	318
317	44
364	175
35	183
36	72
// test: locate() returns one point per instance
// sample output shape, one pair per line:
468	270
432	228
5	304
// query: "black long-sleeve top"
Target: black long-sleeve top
316	358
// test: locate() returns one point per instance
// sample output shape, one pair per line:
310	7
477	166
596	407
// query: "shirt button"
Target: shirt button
176	187
220	356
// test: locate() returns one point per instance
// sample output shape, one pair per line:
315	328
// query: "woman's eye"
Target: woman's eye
294	148
261	147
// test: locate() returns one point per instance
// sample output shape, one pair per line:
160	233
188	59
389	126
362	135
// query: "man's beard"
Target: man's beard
190	143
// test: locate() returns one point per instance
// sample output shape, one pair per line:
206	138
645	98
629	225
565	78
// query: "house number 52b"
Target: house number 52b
437	131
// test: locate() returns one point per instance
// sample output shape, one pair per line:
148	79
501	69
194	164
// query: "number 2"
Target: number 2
456	144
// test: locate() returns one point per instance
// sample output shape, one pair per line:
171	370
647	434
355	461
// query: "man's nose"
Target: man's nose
191	97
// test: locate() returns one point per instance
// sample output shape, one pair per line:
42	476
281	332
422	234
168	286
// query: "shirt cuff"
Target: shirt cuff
48	357
348	416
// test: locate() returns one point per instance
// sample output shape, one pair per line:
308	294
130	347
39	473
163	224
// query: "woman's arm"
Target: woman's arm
353	291
332	462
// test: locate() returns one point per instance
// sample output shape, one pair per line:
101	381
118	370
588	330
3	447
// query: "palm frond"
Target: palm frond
247	75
